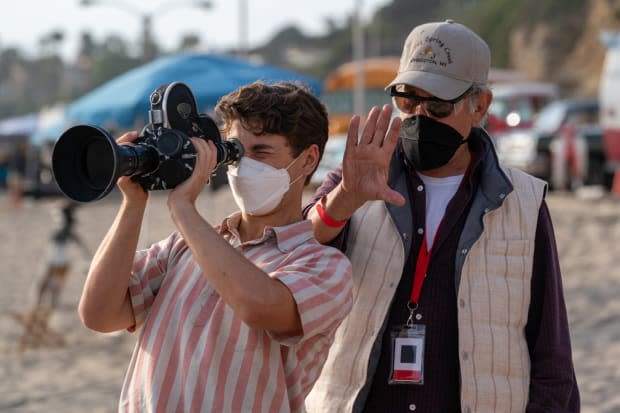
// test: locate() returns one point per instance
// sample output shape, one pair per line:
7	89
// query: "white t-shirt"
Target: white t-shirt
439	192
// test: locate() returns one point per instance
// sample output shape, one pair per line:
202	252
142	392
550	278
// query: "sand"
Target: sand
86	372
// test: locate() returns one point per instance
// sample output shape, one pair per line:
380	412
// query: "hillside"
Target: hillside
544	52
547	40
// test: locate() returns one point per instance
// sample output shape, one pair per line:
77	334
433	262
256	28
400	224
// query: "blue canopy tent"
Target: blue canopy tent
123	102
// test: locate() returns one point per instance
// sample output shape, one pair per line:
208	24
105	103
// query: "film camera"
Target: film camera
87	162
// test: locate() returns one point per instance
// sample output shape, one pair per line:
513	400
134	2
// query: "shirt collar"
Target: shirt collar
286	237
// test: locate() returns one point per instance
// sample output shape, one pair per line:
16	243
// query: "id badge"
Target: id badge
408	354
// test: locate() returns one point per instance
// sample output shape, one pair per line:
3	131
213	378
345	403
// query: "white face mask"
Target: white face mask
258	188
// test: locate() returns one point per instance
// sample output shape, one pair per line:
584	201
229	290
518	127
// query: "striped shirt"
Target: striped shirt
195	355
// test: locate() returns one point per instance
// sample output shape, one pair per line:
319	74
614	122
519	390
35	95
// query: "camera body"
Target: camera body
166	139
87	162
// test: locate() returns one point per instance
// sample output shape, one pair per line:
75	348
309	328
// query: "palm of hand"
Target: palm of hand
365	172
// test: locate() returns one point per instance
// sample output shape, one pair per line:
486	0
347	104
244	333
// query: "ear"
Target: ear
311	159
483	101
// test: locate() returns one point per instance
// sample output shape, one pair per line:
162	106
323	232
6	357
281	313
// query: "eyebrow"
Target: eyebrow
261	147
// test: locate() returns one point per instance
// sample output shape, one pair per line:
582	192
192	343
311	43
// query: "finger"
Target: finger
391	138
371	124
393	197
127	137
212	158
204	161
201	153
383	122
354	127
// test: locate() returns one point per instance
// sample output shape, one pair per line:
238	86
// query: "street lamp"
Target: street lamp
359	91
148	49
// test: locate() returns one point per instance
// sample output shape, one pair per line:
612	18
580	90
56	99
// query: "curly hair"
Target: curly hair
284	108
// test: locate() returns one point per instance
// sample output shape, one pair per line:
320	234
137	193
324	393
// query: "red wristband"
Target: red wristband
327	220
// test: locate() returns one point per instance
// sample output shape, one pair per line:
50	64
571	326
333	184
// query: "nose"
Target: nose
419	109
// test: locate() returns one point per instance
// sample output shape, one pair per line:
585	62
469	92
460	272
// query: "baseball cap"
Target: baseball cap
443	59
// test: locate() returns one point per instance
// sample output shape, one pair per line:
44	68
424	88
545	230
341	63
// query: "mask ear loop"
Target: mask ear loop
289	165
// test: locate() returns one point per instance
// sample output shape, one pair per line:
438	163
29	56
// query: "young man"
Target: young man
239	317
459	304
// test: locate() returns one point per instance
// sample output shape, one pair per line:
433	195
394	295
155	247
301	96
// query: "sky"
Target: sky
24	22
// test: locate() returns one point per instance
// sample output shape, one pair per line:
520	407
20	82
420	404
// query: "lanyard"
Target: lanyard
421	266
424	256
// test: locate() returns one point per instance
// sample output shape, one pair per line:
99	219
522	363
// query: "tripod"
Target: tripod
50	285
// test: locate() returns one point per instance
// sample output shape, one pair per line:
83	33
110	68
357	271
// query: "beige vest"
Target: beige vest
493	300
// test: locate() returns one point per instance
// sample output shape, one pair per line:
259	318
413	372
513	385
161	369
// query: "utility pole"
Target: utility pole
149	47
359	93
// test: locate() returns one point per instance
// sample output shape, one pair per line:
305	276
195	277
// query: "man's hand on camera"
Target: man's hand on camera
133	192
206	159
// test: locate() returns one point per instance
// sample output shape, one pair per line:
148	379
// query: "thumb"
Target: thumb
393	197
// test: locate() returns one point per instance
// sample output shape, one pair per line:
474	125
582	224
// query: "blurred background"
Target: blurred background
556	114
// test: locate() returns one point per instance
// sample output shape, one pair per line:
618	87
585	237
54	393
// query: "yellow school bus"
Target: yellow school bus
339	89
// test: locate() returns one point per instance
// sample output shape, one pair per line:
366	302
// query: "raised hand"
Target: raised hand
367	157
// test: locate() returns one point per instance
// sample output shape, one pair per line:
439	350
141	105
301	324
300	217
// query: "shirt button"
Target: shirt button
418	317
420	231
411	407
467	409
465	356
502	196
462	303
420	188
486	210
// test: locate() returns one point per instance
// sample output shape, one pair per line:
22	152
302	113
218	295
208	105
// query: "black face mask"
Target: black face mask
427	143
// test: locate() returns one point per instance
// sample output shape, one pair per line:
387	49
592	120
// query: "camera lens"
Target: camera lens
98	163
229	151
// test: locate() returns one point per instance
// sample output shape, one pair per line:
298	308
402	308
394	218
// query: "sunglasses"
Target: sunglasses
438	108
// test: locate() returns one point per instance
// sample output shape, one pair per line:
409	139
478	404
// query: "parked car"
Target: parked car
563	146
515	104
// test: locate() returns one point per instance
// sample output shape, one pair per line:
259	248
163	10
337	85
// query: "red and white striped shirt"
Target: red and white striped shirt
195	355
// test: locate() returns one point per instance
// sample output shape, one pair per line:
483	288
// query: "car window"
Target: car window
524	109
550	118
498	108
584	115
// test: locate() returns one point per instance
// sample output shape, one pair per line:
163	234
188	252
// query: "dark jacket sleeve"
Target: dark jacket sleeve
553	386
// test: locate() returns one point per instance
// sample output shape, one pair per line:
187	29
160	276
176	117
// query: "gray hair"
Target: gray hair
474	99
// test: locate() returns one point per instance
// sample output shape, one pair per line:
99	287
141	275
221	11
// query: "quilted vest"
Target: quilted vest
493	283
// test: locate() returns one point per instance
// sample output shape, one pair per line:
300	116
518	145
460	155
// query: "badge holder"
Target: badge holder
408	352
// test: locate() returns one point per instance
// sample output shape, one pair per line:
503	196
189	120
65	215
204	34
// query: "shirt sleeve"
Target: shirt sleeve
320	281
553	386
148	272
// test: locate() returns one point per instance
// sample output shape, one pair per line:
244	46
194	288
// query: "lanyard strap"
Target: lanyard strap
424	256
421	266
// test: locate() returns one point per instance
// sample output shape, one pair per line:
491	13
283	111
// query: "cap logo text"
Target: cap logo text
428	54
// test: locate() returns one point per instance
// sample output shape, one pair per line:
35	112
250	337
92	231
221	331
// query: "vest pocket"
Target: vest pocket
508	247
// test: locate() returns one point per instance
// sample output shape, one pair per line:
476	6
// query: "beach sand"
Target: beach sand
86	373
